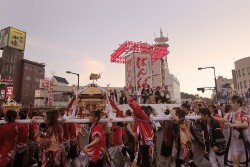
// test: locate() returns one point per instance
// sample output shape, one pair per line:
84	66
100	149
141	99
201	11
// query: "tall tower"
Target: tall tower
160	67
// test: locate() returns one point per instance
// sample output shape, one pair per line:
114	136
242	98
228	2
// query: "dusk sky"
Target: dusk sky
80	35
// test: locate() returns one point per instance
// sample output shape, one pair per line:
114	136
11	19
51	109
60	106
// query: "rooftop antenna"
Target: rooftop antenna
161	40
53	73
155	35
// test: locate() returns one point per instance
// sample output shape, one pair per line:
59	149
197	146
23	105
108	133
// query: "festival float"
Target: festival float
11	104
89	98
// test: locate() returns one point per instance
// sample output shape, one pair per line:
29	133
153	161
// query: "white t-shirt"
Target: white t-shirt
220	113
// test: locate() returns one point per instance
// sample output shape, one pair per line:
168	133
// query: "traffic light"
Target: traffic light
201	89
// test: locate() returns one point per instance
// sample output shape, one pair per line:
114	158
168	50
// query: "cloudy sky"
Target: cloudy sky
80	35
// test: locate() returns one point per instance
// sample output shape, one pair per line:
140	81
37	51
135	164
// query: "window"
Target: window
12	59
238	85
37	80
243	72
28	78
60	98
6	69
248	70
241	85
245	84
10	69
239	73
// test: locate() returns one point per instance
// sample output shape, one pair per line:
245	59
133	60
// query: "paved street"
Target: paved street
205	163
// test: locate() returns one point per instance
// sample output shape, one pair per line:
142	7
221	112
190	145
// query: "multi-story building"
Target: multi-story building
32	73
61	92
174	88
160	67
161	75
234	79
242	75
24	74
160	72
11	69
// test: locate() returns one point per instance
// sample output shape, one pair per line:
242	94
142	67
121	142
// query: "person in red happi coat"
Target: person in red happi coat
97	141
74	149
8	138
143	134
22	141
33	150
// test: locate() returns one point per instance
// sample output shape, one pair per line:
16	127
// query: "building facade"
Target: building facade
174	88
161	75
60	96
234	79
61	93
242	75
32	73
11	69
25	74
159	68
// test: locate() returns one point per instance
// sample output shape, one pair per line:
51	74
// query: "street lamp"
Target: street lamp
69	72
201	68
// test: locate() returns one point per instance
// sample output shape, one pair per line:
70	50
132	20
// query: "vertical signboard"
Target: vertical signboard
9	92
130	71
138	70
48	85
223	95
143	69
4	36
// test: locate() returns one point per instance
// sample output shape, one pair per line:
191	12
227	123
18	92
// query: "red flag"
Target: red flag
70	103
137	111
117	110
143	122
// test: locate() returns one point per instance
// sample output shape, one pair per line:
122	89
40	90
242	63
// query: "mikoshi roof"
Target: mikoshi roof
91	89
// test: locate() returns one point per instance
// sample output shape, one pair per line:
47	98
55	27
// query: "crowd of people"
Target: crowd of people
185	142
144	95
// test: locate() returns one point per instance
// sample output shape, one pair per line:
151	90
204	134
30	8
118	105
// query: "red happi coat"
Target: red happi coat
8	138
33	129
66	135
72	127
60	133
23	137
96	150
143	124
116	135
